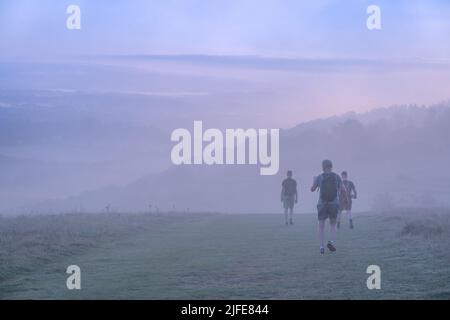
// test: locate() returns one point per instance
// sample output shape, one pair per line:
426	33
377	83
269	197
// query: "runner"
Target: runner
346	200
330	185
289	196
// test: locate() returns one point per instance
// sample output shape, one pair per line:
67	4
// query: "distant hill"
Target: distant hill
404	115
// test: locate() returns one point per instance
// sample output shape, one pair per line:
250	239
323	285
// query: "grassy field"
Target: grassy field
214	256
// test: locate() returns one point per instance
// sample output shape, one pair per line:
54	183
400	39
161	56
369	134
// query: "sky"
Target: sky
305	59
229	63
323	28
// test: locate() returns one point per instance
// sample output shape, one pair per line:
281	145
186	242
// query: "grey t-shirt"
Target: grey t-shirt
318	182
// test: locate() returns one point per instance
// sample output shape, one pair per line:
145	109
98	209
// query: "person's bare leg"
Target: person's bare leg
332	230
286	215
291	213
339	219
332	236
322	233
350	219
349	214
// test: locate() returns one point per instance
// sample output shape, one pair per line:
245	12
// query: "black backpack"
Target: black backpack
329	187
290	187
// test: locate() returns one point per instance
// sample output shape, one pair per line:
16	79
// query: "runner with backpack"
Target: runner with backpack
330	185
289	196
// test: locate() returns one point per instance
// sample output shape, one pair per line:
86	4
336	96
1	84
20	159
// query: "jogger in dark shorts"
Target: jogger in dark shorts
327	211
330	185
289	196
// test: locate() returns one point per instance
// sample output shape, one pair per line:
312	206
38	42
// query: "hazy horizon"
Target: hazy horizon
262	91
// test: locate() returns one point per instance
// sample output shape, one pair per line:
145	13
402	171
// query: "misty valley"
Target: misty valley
78	165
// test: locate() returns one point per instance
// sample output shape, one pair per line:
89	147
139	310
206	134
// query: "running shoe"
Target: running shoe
331	247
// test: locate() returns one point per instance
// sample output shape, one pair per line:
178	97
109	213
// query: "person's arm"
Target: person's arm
282	193
342	190
315	184
296	194
355	194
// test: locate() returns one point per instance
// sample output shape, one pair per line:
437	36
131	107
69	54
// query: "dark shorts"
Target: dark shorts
288	202
345	205
327	211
